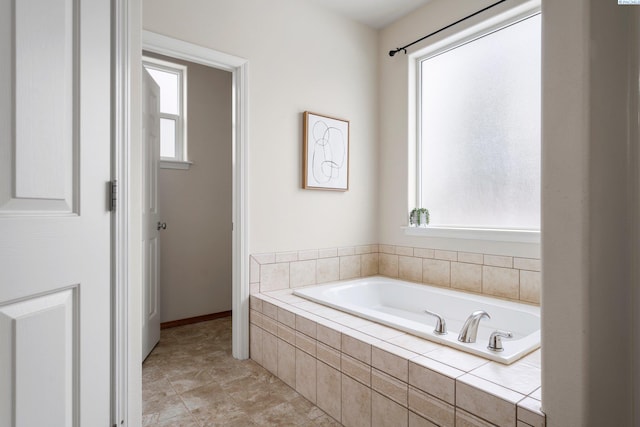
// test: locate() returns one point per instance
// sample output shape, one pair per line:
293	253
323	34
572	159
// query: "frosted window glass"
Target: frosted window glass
480	131
169	90
167	138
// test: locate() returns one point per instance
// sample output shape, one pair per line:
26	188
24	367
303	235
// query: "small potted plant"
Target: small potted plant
419	217
413	218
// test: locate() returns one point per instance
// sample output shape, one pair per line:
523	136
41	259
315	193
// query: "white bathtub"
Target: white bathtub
401	305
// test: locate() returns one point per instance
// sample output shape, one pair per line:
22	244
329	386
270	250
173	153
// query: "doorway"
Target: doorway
194	190
159	44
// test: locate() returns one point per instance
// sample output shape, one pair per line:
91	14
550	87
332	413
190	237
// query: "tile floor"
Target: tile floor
191	380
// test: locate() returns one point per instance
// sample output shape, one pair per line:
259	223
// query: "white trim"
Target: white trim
501	16
240	296
175	164
120	218
180	119
159	64
477	29
240	213
495	235
179	49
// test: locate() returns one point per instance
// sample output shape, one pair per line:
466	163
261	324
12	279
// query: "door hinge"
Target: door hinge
114	195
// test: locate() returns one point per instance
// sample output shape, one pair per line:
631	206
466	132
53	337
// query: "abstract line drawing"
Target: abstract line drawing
326	152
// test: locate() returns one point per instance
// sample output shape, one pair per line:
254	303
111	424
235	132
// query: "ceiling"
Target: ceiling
374	13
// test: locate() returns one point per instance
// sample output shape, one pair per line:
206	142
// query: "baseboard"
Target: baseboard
190	320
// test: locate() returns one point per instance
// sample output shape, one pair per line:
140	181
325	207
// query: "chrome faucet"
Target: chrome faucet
441	325
495	340
469	330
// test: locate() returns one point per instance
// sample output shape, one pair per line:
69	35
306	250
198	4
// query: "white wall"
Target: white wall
301	57
195	251
396	135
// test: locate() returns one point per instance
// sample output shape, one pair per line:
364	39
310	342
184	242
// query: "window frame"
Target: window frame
180	161
471	32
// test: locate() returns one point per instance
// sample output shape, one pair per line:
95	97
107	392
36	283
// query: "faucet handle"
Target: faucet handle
495	340
441	325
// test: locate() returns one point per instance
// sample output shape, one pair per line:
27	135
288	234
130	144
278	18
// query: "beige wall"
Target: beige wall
301	57
590	172
195	266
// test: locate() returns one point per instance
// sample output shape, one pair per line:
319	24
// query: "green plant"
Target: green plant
416	216
413	217
425	212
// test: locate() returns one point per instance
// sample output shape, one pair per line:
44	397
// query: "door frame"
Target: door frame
238	67
127	39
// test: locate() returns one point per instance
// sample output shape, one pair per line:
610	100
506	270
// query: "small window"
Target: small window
479	130
172	79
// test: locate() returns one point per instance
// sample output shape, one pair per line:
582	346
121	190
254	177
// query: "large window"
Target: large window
172	81
479	130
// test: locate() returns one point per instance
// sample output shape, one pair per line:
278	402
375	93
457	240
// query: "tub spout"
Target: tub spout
469	330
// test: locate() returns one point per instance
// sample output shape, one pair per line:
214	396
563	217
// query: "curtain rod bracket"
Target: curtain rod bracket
393	52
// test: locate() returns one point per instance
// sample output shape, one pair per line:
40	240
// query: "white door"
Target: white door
55	271
150	217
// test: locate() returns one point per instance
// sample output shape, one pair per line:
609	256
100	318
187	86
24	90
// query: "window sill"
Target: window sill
495	235
175	164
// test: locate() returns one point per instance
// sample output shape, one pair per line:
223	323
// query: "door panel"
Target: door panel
55	272
40	325
150	214
44	54
41	116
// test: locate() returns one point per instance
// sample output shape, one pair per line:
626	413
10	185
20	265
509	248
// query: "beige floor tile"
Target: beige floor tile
203	396
165	407
219	412
157	389
191	380
179	421
298	413
325	421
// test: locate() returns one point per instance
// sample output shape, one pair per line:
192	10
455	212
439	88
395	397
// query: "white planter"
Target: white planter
423	220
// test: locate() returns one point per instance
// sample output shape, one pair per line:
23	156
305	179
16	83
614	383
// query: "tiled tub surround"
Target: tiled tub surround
365	374
500	276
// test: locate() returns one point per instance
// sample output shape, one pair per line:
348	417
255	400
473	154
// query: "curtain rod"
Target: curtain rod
404	48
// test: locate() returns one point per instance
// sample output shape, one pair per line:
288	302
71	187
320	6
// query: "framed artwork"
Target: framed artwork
325	163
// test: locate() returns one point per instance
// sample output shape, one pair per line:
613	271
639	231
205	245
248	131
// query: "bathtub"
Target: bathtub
401	305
